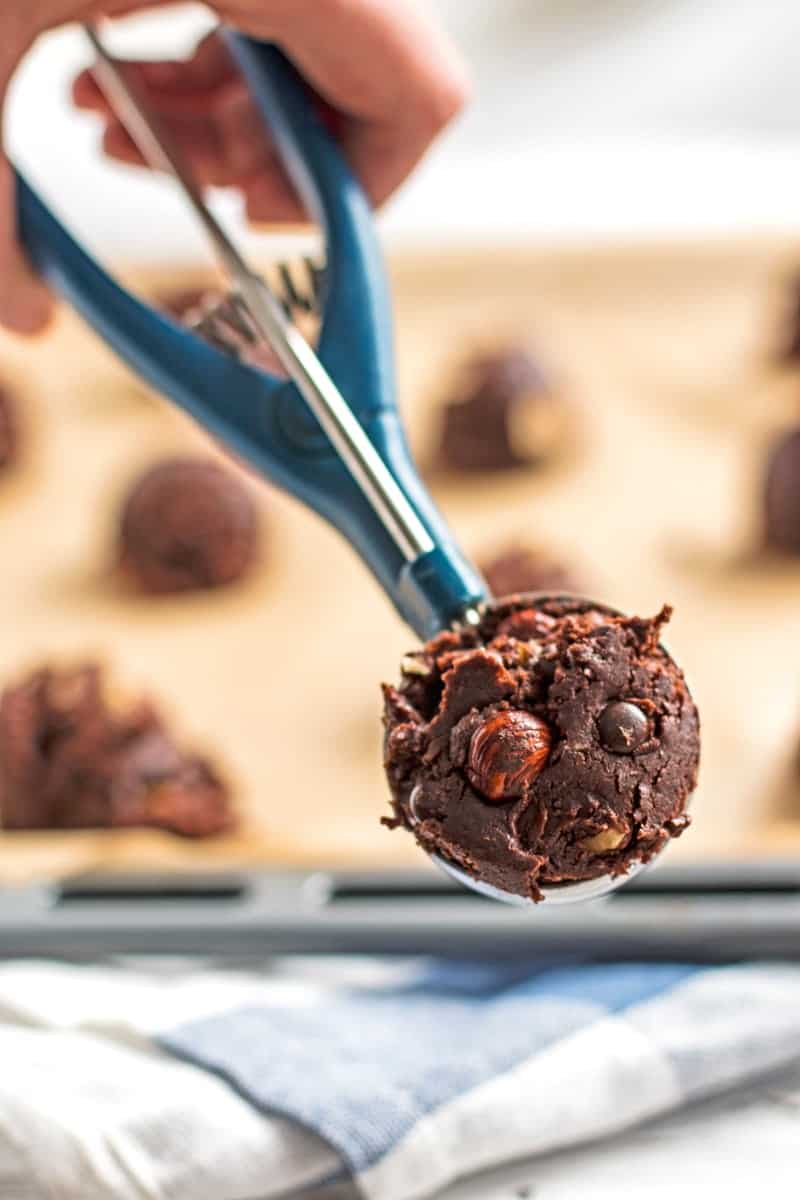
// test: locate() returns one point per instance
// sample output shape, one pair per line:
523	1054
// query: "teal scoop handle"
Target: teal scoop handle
262	418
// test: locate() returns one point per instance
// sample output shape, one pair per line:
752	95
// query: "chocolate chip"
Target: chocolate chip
623	727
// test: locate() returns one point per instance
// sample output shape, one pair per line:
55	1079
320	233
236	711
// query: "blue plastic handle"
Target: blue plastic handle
264	419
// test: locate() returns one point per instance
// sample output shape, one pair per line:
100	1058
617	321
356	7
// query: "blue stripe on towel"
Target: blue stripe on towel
362	1067
617	987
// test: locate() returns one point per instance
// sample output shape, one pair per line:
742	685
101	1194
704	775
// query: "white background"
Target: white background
601	117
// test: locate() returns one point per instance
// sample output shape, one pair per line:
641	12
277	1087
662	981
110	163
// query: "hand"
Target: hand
389	76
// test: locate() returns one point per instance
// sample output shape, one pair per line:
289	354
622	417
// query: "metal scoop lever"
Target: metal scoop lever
268	316
330	434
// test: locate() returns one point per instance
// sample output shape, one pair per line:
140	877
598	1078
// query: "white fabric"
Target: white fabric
91	1110
84	1119
739	1147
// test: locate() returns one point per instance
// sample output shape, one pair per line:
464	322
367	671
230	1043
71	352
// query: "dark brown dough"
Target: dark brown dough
782	494
185	304
524	569
517	751
188	524
70	761
789	348
9	439
503	414
194	306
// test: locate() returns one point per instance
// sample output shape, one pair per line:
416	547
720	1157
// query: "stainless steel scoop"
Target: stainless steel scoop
560	893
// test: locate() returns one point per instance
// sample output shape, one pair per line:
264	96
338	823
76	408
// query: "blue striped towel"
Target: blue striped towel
377	1079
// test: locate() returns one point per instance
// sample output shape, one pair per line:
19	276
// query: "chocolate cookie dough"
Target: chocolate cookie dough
524	569
206	312
789	348
188	524
504	414
782	494
70	761
187	303
554	742
9	440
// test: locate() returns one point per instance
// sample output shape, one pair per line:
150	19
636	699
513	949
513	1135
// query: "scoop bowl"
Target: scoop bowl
559	893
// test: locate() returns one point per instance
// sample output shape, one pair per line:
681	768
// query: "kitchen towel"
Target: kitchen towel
350	1078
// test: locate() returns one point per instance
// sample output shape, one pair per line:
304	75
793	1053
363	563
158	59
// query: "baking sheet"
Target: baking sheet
665	353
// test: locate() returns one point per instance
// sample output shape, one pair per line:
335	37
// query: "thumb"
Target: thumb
25	304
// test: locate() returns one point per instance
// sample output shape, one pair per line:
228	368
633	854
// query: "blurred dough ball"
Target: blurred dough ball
502	412
188	524
517	568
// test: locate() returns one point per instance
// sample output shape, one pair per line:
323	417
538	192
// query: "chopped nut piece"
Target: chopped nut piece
412	666
601	843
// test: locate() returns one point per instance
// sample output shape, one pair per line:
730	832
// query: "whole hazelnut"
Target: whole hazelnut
507	752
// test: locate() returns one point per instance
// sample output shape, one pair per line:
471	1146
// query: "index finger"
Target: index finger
386	66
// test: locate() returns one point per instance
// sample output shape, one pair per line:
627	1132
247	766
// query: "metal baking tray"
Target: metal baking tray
714	913
278	679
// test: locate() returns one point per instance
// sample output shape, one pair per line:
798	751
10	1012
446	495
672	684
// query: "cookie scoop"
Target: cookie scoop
493	738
